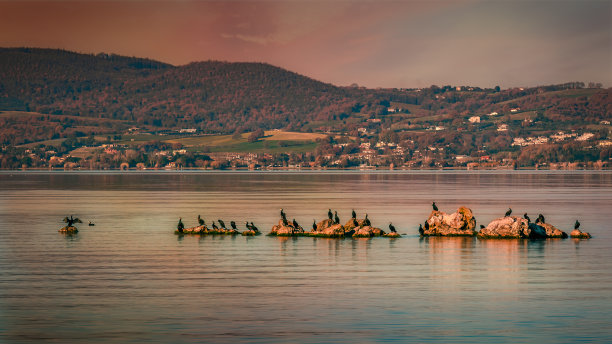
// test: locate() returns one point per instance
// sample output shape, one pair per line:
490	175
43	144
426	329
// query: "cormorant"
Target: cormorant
214	225
253	227
434	206
200	221
426	225
366	221
336	218
91	223
221	223
314	224
247	225
576	225
540	219
527	218
482	227
180	226
70	220
285	222
355	223
421	231
283	215
509	212
392	228
295	224
354	214
233	224
329	214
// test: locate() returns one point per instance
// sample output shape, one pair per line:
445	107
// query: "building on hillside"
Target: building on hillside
474	119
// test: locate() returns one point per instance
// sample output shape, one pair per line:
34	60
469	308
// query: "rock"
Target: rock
203	230
251	233
576	233
289	230
368	232
552	231
392	235
328	229
459	223
512	227
68	229
350	225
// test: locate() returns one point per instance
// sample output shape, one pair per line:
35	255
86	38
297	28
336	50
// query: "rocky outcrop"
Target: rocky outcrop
68	229
552	231
512	227
328	229
577	233
368	232
460	223
286	230
203	230
392	235
251	232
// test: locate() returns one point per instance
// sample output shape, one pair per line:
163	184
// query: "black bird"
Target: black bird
509	212
392	228
355	223
215	226
247	225
221	223
91	223
329	214
295	224
233	224
354	214
283	215
426	225
70	220
540	219
285	222
366	221
180	225
314	225
253	227
434	206
527	218
200	221
336	218
482	227
421	231
576	225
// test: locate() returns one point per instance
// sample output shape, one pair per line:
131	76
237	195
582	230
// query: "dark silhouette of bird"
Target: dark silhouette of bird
233	224
70	220
330	215
527	218
285	222
200	221
247	225
354	214
180	226
392	228
314	224
253	227
482	227
576	225
283	215
91	223
434	206
540	219
421	231
214	225
295	224
426	225
221	223
336	218
508	212
355	223
366	221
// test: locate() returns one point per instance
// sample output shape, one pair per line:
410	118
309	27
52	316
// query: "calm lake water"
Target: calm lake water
130	279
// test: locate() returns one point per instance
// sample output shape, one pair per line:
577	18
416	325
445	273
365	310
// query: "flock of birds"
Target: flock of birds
180	227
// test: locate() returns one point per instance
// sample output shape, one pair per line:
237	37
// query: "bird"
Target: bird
482	227
70	220
200	221
233	224
527	218
253	227
283	215
421	231
215	226
392	228
354	214
285	222
295	224
355	223
434	206
540	219
366	221
426	225
576	225
336	218
91	223
329	214
221	223
314	224
180	226
247	225
509	212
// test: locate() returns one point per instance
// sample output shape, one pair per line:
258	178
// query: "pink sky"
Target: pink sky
372	43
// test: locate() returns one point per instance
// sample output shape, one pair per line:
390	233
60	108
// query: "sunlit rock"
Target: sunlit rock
577	233
552	231
512	227
367	232
460	223
286	230
68	229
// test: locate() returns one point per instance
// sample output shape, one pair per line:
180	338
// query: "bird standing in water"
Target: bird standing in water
421	231
508	212
434	206
180	226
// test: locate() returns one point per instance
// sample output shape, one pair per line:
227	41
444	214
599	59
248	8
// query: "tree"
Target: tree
256	135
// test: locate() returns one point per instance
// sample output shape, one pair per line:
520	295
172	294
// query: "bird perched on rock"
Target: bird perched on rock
247	225
426	225
434	206
70	220
392	228
180	225
314	224
366	221
354	214
221	223
527	218
200	221
421	231
233	224
355	223
508	212
214	226
482	227
540	219
330	215
576	225
283	215
336	218
253	227
295	224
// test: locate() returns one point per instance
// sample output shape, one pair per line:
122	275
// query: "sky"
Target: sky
403	44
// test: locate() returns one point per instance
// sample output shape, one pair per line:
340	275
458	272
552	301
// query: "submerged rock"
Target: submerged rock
286	230
68	229
460	223
577	233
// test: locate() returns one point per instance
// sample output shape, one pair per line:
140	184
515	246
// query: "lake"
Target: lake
130	279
